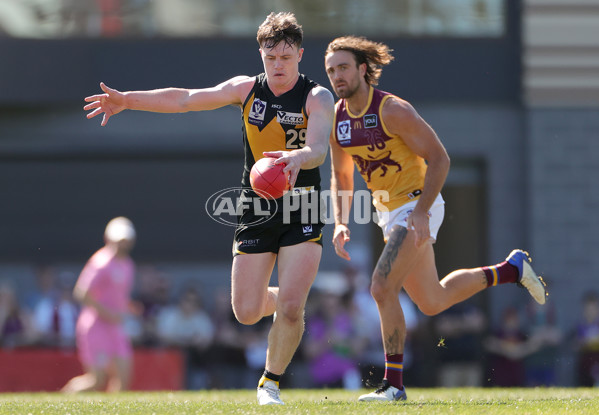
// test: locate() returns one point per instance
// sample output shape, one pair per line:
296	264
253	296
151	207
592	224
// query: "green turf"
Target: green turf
327	401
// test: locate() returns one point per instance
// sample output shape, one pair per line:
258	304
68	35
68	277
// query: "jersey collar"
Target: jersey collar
370	95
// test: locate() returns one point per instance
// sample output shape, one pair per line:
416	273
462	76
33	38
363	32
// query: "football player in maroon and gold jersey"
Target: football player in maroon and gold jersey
405	165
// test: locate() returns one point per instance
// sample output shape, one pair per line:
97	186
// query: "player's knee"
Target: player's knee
428	307
380	291
290	310
247	315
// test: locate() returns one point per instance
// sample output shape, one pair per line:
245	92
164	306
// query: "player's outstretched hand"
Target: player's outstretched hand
292	161
110	103
340	237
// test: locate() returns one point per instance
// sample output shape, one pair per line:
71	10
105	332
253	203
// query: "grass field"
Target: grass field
328	401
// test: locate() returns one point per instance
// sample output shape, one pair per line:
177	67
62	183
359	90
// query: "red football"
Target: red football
268	179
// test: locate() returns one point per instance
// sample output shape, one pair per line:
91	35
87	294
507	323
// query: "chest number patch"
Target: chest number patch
295	138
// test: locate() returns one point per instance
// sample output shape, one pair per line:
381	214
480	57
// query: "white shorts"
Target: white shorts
399	216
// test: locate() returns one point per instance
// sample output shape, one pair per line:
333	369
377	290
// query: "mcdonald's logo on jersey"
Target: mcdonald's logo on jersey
357	124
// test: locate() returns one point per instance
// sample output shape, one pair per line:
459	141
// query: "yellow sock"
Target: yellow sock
264	379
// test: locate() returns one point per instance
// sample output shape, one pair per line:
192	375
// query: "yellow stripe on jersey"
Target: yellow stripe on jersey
370	95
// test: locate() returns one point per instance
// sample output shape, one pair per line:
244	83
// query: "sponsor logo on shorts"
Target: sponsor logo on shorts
307	229
301	190
415	193
248	242
293	118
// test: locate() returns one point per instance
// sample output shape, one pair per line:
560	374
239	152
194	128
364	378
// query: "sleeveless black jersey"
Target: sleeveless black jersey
272	123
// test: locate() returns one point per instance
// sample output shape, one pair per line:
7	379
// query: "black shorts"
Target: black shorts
269	237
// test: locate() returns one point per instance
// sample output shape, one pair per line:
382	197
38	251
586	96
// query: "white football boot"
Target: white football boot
385	392
527	277
268	394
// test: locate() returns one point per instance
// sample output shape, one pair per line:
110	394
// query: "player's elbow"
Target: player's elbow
442	160
180	100
183	104
446	160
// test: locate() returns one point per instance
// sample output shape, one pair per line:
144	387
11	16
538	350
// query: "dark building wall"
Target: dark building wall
564	198
60	72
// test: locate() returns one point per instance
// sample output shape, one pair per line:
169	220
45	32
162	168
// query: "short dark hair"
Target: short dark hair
374	55
280	27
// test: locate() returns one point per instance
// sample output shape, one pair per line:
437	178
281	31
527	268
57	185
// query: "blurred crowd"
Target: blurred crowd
341	346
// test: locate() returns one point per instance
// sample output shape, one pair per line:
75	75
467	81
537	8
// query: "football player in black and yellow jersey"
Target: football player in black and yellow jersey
286	116
404	164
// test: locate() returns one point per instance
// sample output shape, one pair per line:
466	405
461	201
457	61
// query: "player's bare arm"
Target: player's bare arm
342	186
320	108
402	119
169	100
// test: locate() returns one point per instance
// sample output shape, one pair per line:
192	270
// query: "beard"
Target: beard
347	91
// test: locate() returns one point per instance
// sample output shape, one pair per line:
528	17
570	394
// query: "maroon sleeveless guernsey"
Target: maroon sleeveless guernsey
385	162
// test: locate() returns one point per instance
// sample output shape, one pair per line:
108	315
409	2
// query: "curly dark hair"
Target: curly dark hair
280	27
375	55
